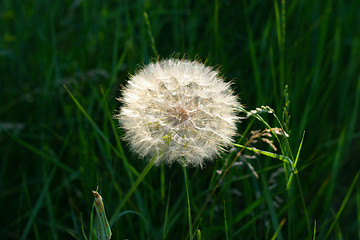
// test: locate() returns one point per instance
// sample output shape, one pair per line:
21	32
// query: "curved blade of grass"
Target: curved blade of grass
43	155
132	189
38	204
82	227
134	212
92	122
97	129
341	209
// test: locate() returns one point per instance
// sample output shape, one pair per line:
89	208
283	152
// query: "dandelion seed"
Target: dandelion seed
178	111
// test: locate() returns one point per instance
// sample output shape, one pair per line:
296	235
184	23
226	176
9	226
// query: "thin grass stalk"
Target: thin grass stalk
342	206
358	209
152	40
38	205
166	214
226	223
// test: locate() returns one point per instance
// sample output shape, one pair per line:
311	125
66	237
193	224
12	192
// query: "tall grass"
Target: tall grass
57	147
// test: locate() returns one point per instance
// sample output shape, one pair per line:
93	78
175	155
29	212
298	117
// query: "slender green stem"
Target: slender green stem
314	235
188	202
226	224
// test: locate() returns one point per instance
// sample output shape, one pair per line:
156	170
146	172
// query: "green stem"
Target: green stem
188	202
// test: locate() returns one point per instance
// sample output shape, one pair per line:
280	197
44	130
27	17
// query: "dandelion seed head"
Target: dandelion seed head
178	111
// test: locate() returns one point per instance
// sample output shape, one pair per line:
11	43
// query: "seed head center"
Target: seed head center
178	115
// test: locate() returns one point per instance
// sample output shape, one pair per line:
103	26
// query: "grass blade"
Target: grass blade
38	204
226	224
132	189
343	204
295	162
92	122
166	214
272	212
358	210
152	40
278	230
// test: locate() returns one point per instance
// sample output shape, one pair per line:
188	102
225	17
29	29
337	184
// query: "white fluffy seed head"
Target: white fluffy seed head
178	111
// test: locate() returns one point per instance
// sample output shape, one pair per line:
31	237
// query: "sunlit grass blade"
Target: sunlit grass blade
198	235
295	162
103	230
278	230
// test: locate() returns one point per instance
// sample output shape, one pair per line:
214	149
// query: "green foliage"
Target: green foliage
58	144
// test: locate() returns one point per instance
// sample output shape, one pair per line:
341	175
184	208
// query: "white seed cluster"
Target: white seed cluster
178	111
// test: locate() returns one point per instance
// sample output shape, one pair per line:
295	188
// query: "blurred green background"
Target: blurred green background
52	155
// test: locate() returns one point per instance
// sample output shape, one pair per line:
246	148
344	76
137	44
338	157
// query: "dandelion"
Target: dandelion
178	111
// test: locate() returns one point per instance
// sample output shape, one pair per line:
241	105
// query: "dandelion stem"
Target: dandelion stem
188	202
